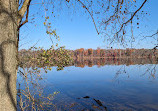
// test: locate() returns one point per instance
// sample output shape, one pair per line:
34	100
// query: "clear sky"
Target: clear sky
78	31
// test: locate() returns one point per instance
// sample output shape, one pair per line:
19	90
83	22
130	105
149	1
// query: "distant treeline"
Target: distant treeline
96	53
88	57
114	61
115	53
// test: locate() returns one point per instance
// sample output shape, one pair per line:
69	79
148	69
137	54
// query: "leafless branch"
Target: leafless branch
131	17
84	6
153	34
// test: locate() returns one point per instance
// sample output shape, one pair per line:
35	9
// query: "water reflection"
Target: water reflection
114	61
120	84
30	90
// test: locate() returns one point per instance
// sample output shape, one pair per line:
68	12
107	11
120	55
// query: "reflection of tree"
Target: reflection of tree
90	63
151	70
30	95
32	65
113	61
123	62
122	70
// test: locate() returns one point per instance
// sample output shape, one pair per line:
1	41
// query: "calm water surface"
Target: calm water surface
109	87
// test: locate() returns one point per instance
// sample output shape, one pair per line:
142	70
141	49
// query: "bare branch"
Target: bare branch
116	11
131	17
89	14
153	34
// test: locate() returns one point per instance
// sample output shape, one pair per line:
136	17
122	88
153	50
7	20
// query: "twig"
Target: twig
89	14
131	17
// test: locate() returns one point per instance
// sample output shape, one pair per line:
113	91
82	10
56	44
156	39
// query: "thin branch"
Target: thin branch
153	34
89	14
116	11
131	17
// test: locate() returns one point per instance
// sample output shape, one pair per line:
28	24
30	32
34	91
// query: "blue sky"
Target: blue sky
78	31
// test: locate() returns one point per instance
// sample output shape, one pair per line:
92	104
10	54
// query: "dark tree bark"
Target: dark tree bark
8	54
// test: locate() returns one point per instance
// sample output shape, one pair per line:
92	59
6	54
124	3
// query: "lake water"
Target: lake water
109	87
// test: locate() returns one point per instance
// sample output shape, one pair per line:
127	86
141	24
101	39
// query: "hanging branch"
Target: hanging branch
89	14
131	17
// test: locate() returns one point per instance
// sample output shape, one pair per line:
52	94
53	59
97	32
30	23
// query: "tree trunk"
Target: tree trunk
8	54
